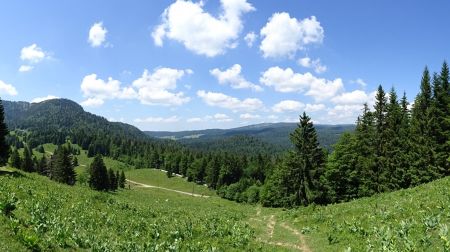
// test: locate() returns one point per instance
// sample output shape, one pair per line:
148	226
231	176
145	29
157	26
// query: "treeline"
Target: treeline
393	147
59	167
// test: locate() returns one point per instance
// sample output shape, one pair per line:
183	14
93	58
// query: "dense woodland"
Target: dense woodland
392	147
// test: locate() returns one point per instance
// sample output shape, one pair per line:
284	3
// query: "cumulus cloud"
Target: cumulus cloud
314	107
32	54
222	118
199	31
288	106
97	90
250	38
7	89
156	88
151	88
314	64
355	97
41	99
92	102
97	34
232	76
286	80
228	102
25	68
171	119
283	36
248	116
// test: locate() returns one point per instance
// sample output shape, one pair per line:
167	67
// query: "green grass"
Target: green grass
159	178
415	219
52	216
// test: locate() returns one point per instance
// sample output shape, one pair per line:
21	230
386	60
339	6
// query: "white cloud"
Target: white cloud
172	119
41	99
155	88
288	106
250	38
98	90
321	89
151	88
314	64
283	36
233	77
7	89
222	118
314	107
285	80
360	82
92	102
355	97
32	54
97	34
25	68
344	113
194	120
228	102
248	116
188	23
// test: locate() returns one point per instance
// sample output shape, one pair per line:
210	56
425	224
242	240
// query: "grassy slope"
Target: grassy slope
414	219
408	220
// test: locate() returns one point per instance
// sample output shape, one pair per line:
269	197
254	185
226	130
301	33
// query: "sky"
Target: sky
184	65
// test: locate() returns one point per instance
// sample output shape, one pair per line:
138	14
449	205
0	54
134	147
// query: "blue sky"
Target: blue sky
177	65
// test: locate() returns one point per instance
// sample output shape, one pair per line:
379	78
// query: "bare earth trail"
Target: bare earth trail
167	189
271	226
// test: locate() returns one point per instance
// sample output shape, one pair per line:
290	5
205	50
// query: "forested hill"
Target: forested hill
64	116
276	134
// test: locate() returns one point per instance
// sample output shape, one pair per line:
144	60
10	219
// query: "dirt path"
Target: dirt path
303	246
167	189
270	222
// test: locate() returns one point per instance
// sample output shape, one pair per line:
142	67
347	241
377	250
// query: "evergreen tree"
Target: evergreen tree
4	147
342	176
365	148
122	180
27	163
112	180
423	126
61	167
16	160
395	171
40	149
43	166
117	179
381	171
307	166
98	174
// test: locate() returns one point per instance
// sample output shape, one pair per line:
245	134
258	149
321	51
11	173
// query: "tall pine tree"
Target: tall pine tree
4	147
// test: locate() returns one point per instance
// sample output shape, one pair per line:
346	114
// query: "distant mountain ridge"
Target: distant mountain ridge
271	133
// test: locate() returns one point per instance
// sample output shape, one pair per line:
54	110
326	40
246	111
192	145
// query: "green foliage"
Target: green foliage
99	177
61	166
54	217
4	146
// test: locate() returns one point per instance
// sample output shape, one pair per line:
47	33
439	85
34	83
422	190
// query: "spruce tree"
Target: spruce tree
98	179
308	164
27	163
16	160
112	180
380	139
122	180
43	166
394	172
61	167
4	147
